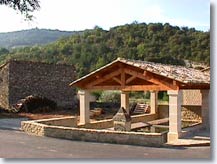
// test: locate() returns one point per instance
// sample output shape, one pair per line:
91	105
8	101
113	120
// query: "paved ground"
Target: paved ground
16	144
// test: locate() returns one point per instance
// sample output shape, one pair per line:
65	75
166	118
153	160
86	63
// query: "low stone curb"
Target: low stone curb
187	144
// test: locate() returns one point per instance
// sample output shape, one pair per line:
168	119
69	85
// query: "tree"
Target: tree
24	6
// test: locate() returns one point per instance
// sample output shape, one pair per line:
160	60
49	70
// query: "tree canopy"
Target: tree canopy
24	6
91	49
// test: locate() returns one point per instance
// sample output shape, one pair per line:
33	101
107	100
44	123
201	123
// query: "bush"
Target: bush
97	94
110	96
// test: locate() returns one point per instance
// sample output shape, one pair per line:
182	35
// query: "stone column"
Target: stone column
125	101
205	108
84	97
175	102
154	101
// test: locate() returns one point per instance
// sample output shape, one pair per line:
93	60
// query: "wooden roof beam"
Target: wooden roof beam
104	78
130	79
130	88
150	78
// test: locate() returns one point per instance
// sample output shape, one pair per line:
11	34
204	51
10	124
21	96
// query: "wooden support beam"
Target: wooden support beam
130	88
150	78
144	88
130	79
104	78
117	80
123	77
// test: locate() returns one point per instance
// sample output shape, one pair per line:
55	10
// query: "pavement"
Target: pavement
11	123
17	144
199	138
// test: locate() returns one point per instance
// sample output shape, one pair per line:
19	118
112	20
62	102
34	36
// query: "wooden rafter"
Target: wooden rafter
130	79
117	80
104	78
150	78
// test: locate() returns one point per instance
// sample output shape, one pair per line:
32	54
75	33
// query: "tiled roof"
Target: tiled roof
178	73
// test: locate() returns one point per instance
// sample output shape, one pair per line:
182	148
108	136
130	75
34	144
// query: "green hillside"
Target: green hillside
31	37
93	48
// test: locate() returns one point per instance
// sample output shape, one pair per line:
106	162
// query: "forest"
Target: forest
91	49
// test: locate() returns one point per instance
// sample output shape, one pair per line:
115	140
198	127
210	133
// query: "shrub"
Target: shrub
110	96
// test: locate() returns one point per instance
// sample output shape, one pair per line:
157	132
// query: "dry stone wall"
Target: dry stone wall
192	97
4	92
19	79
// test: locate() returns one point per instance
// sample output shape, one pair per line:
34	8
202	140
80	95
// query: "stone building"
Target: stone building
19	79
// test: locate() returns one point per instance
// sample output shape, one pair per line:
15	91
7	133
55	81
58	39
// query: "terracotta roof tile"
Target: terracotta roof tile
179	73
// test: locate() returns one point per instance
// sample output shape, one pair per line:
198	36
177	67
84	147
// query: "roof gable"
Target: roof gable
128	75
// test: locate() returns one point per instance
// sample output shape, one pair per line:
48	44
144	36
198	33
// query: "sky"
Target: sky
76	15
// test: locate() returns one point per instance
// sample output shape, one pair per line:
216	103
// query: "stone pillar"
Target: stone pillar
175	102
154	101
125	101
84	97
205	108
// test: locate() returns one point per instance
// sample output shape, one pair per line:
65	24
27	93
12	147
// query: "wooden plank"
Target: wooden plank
159	121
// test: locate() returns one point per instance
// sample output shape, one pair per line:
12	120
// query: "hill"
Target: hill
90	49
31	37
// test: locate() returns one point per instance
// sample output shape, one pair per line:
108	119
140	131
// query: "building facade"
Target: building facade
19	79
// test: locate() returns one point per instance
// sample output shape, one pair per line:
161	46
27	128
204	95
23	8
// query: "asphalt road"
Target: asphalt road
16	144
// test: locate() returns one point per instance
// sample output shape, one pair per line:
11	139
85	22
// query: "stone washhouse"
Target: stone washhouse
134	75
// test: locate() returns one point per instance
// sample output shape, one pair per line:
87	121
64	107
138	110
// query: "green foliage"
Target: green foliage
110	96
25	7
97	94
91	49
162	95
4	51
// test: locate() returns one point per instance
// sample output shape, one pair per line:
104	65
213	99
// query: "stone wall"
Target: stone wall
106	136
34	78
192	97
93	135
4	69
64	121
163	111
